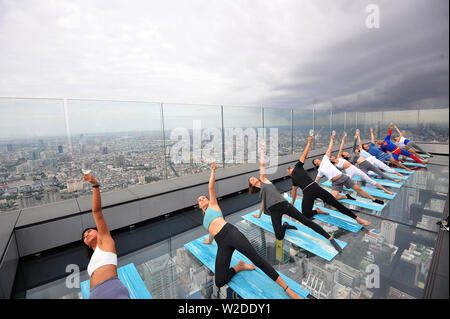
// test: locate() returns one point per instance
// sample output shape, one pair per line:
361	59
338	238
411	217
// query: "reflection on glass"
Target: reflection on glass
302	124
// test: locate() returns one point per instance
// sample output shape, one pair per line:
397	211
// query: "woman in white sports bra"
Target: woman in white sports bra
102	268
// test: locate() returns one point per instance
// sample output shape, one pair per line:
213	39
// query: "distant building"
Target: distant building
60	149
9	147
74	185
26	201
387	230
104	150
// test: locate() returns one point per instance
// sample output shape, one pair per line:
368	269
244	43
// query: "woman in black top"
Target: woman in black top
312	191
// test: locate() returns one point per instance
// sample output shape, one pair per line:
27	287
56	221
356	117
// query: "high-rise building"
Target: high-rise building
26	201
104	150
60	149
9	147
387	230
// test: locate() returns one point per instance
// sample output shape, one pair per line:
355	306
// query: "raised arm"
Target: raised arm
399	133
388	137
359	140
372	137
306	151
99	219
262	169
211	186
341	148
330	147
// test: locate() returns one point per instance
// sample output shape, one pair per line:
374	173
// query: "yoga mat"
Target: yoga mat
130	278
372	191
362	202
303	237
252	284
335	218
383	182
403	171
405	177
414	164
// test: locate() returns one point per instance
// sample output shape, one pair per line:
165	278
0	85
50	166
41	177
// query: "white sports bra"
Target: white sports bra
101	258
340	163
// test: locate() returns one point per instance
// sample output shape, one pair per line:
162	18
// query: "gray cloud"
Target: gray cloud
274	53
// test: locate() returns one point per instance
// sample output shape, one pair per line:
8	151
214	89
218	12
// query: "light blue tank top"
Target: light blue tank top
210	215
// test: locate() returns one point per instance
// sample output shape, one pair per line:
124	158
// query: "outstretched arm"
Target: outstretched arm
99	219
306	151
359	140
399	133
388	137
330	147
294	194
341	148
211	186
262	169
372	137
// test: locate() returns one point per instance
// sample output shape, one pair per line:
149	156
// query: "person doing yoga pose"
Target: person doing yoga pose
408	145
379	154
351	170
102	268
372	159
312	191
337	178
363	164
387	146
229	239
276	206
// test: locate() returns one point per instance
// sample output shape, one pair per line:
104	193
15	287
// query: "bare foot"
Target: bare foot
398	180
363	222
243	266
320	211
426	162
389	192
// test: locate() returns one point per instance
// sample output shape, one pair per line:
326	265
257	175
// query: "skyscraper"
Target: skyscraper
60	149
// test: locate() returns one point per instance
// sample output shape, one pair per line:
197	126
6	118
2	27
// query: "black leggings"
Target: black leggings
228	239
315	191
278	210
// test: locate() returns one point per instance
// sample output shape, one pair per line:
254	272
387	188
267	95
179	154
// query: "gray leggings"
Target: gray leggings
417	147
366	167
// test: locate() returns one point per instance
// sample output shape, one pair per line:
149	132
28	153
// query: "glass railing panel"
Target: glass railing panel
433	126
120	142
192	137
303	122
322	124
33	152
241	126
280	120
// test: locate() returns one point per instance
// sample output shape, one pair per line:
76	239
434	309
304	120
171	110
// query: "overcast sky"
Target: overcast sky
245	53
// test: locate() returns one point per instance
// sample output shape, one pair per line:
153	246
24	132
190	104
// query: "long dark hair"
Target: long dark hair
252	189
88	251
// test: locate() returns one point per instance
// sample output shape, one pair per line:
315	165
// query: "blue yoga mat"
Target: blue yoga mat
362	202
303	236
383	182
335	218
403	171
414	164
405	177
371	191
130	278
253	284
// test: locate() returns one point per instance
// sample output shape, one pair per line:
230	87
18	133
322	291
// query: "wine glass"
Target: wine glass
86	168
333	133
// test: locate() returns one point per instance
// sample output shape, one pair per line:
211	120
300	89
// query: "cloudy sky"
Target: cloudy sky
246	53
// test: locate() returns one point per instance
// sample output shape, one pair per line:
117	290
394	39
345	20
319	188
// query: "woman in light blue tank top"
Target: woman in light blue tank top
228	239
